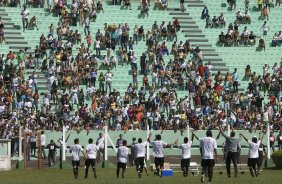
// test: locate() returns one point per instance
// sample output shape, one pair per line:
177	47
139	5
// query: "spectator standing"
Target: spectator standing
43	143
119	141
25	14
52	147
235	78
279	140
101	142
265	29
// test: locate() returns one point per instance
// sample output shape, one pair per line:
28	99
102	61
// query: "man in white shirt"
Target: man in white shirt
186	155
101	142
208	148
75	150
43	143
109	76
122	155
91	152
158	149
253	156
25	14
140	152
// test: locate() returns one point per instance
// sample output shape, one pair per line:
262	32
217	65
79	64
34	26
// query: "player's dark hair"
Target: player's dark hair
232	134
209	133
90	141
185	139
124	142
42	132
140	140
254	140
76	140
158	137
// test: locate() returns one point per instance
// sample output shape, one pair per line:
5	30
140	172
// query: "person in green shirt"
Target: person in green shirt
21	59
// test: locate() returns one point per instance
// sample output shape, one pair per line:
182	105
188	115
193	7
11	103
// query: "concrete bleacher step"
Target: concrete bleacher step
211	54
202	45
14	37
182	18
16	42
16	47
198	40
177	11
196	5
191	31
193	2
217	63
189	27
194	36
187	22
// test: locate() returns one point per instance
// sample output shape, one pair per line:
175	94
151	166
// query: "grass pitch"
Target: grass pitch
108	176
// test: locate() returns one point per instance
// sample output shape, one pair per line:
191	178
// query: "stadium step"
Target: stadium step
198	40
202	45
196	5
16	42
187	22
190	27
192	31
195	36
176	13
183	18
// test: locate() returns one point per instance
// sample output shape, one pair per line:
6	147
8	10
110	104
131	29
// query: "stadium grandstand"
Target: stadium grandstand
74	69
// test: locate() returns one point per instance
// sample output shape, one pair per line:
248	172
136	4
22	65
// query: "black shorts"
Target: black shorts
139	161
185	163
89	162
159	161
121	165
208	162
260	159
252	162
75	163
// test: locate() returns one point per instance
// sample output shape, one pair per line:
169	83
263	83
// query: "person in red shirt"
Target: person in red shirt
202	70
272	100
11	55
217	87
176	25
197	100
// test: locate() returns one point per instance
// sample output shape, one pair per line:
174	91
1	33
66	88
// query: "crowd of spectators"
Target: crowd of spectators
211	100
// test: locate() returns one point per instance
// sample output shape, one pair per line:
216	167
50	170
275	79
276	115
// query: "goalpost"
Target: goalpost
27	149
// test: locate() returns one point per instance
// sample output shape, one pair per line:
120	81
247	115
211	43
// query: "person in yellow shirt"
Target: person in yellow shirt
260	4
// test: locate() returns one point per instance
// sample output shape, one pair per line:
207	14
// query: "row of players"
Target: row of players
208	150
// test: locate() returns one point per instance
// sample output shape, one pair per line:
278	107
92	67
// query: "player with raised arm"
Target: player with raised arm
208	148
75	150
139	155
232	145
158	149
186	154
122	156
91	153
253	156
